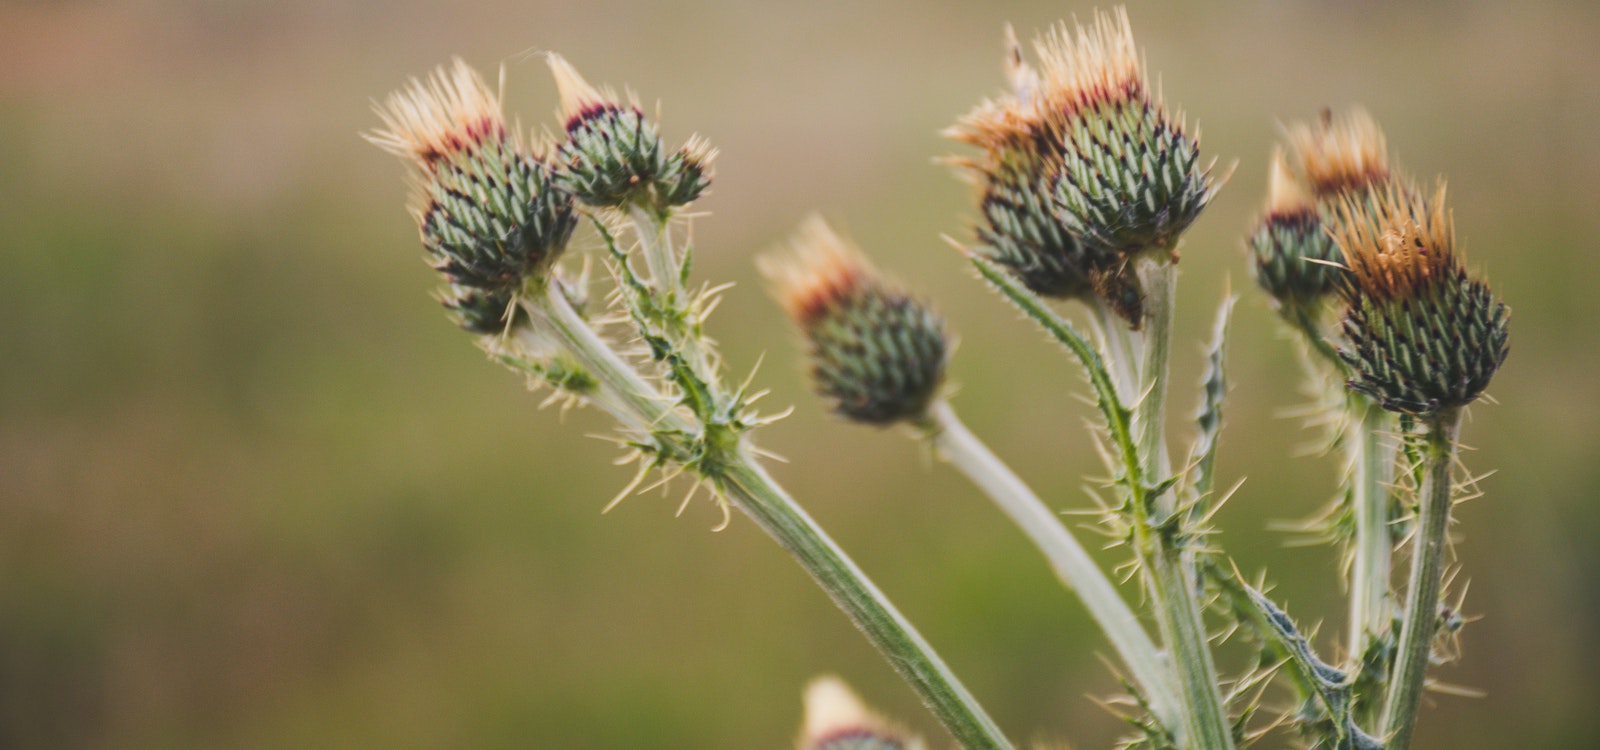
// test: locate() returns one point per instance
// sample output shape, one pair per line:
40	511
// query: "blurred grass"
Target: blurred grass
256	492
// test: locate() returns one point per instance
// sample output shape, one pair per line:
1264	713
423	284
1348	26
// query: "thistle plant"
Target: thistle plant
1086	185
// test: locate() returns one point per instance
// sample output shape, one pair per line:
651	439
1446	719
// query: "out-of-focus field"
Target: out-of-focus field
256	492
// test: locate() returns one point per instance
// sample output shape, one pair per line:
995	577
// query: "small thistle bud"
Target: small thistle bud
489	213
614	155
481	312
1423	335
835	719
876	353
1130	179
1294	257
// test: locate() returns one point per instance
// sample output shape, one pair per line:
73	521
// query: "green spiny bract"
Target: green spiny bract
489	214
1422	335
494	217
481	312
1436	350
1020	232
1130	179
877	354
613	155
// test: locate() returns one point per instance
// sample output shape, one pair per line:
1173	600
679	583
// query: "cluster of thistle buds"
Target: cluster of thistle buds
1086	187
1082	168
1418	333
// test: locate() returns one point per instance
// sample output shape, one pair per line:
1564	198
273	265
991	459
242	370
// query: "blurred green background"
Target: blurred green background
256	492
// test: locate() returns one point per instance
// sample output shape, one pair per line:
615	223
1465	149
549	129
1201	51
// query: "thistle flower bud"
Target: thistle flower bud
1423	335
876	353
1130	179
1019	230
614	155
489	213
1294	257
835	719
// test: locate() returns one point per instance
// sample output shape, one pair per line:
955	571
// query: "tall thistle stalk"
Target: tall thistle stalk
1086	188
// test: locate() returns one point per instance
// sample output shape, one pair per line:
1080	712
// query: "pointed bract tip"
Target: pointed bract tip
450	111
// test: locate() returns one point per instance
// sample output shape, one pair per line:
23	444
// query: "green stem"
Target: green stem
656	244
1071	562
1422	592
666	271
754	492
1157	532
1372	472
627	395
1159	280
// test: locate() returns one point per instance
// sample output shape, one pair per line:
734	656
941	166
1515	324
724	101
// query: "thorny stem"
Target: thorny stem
638	404
755	493
666	271
1422	592
1172	578
1372	472
1071	562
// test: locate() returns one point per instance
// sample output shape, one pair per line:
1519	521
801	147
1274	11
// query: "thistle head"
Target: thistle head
613	155
490	214
1294	258
876	353
1129	179
1423	335
835	719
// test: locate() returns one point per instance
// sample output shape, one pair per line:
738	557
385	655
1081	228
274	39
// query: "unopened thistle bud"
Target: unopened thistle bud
835	719
489	212
1019	230
1130	179
1423	336
614	156
876	353
1295	259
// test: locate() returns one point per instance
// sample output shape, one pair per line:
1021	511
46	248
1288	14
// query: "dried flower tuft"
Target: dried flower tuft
1341	154
835	719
